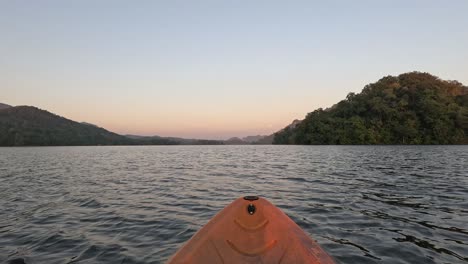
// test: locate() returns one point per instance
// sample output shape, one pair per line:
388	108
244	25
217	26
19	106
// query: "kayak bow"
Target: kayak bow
251	230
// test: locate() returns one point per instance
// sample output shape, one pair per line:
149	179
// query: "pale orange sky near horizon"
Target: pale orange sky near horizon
225	115
218	69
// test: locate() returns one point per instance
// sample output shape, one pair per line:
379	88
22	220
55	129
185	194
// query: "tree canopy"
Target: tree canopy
412	108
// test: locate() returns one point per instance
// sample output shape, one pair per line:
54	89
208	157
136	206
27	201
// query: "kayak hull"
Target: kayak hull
251	230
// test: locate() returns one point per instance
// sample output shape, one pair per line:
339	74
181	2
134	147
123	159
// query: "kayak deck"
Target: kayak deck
251	230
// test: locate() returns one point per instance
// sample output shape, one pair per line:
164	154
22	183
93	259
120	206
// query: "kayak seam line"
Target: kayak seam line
254	252
253	228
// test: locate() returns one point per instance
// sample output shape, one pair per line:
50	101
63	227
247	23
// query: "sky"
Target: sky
217	69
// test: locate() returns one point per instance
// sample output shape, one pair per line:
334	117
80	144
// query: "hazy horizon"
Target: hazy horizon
213	69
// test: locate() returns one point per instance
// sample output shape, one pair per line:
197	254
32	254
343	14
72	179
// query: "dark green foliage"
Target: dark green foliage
413	108
30	126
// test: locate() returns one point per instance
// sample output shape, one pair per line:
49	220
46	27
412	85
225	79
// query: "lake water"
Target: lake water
363	204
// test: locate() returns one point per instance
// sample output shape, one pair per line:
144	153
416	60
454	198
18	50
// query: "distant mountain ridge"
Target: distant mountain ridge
266	140
31	126
235	141
176	140
252	139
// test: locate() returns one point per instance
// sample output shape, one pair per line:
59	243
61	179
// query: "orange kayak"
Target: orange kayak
251	230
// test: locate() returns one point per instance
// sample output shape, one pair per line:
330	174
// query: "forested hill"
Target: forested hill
30	126
412	108
4	106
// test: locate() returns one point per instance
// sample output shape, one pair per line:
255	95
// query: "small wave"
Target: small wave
92	203
296	179
427	245
347	242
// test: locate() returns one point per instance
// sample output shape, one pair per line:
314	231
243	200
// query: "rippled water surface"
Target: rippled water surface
363	204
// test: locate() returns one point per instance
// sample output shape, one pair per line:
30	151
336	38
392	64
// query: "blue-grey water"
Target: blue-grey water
363	204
